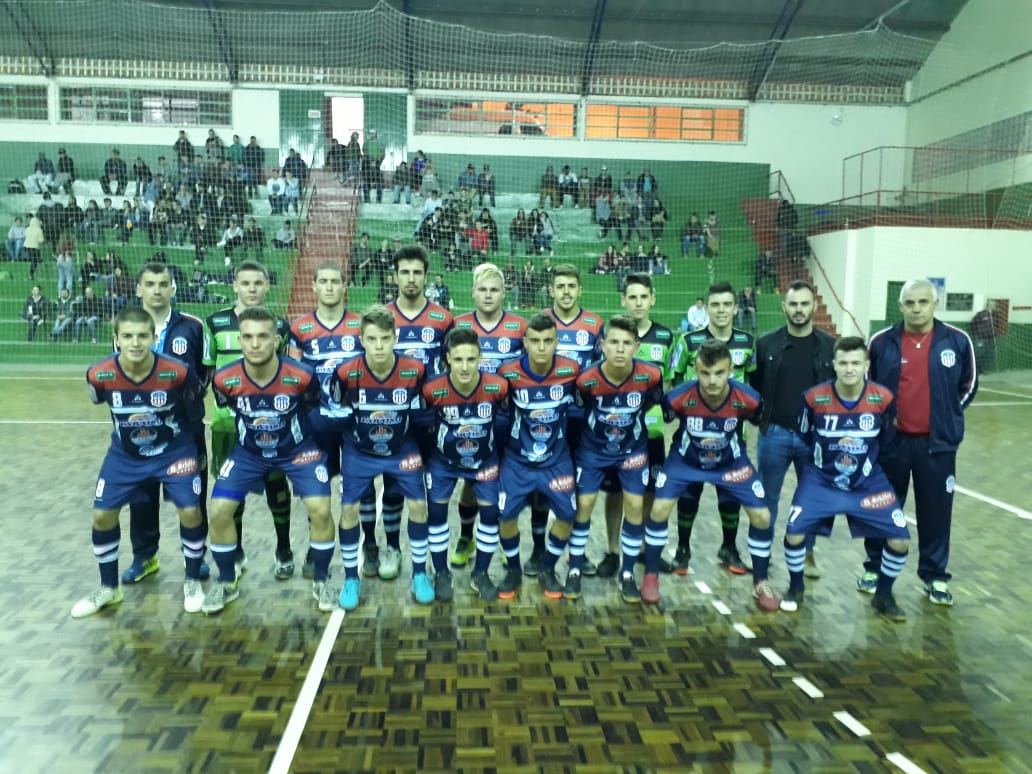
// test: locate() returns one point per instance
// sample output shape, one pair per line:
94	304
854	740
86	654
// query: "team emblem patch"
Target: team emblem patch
899	519
158	398
757	489
484	410
661	478
655	352
321	474
730	424
504	344
737	357
948	358
179	345
633	399
281	402
347	343
582	338
951	484
400	397
556	392
867	421
427	335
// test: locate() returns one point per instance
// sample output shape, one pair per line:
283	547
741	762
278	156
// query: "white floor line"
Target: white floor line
721	607
1021	513
1004	392
808	688
703	588
984	404
772	656
303	707
745	631
53	422
903	763
852	723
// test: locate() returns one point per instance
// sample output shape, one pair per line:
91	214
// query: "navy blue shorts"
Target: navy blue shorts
124	478
442	476
657	456
404	469
739	482
245	472
632	471
871	511
555	482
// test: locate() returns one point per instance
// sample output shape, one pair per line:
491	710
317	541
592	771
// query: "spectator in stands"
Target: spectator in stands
16	240
711	233
51	215
123	287
428	181
125	222
418	166
528	285
622	269
277	190
658	262
549	188
89	269
178	222
567	186
766	266
141	219
159	222
511	281
92	222
42	177
479	240
89	312
114	172
691	234
373	154
65	259
746	309
296	166
983	335
604	264
36	311
388	290
63	314
232	237
254	239
658	219
65	176
335	160
235	152
430	230
182	147
254	160
519	231
432	202
109	216
485	187
285	236
786	221
629	189
451	258
604	182
621	219
640	261
291	193
491	227
402	183
141	175
603	214
641	225
106	268
467	184
73	215
363	258
167	173
202	236
443	292
647	187
545	276
697	317
352	156
383	260
584	187
542	231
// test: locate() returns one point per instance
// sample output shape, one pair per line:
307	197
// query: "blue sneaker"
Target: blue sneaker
140	569
350	593
422	589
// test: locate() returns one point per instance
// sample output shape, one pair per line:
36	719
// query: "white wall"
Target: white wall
859	263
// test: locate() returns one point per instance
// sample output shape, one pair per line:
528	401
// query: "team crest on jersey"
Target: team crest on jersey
504	344
158	398
655	352
400	397
867	421
633	399
730	424
737	357
281	402
428	334
948	358
484	410
556	392
347	343
582	338
179	345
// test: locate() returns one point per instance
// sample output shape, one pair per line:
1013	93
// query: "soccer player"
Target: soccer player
185	338
655	342
322	340
721	307
271	396
501	340
251	285
708	448
537	459
383	392
845	422
930	367
150	399
470	412
617	393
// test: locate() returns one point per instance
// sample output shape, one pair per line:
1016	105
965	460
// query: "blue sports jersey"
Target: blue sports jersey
324	349
382	410
615	413
422	337
499	344
540	406
149	416
468	426
710	438
580	339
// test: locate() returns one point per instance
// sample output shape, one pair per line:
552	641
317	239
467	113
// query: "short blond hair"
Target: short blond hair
486	270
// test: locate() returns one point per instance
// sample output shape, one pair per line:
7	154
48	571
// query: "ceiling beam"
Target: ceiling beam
770	51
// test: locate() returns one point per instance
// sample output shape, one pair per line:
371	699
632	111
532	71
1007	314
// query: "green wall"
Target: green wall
298	131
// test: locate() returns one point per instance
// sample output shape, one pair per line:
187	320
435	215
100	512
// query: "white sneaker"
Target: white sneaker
193	595
219	595
97	600
390	563
325	595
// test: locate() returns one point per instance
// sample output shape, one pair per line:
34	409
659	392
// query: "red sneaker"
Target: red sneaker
650	588
766	598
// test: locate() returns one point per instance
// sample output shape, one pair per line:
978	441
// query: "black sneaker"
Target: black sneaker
609	566
793	600
886	605
370	560
629	589
588	568
510	584
682	556
732	560
572	589
308	568
536	563
550	584
442	587
481	583
284	564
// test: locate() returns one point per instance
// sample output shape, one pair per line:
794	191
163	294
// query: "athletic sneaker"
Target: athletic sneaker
682	556
370	560
219	595
325	595
536	563
308	566
629	589
572	589
939	592
443	587
350	593
460	556
609	565
422	589
867	583
886	605
792	600
588	568
766	598
481	583
732	560
510	584
810	568
98	599
140	569
390	563
193	595
284	564
650	588
550	584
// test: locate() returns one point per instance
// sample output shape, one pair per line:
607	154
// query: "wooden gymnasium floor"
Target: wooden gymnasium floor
702	682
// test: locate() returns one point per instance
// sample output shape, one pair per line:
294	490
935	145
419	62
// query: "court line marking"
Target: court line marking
1004	392
54	422
306	698
851	723
808	688
772	656
44	378
1021	513
902	762
721	607
745	631
702	587
994	403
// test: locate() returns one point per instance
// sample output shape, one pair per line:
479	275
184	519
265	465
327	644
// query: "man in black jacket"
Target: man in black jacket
789	361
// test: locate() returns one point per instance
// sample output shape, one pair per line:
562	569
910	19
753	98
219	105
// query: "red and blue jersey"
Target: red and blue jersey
324	348
271	419
468	426
149	415
615	413
382	410
580	339
540	406
845	436
422	337
710	438
499	344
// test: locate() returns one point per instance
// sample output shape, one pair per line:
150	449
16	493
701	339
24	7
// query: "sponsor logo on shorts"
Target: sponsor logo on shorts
561	484
948	358
182	467
490	473
738	475
306	457
635	461
410	463
951	484
878	501
195	485
898	518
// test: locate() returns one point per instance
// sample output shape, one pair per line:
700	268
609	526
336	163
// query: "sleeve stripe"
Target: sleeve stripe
972	386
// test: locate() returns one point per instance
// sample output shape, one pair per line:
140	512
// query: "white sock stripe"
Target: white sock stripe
193	553
193	545
105	558
102	548
223	548
322	546
510	552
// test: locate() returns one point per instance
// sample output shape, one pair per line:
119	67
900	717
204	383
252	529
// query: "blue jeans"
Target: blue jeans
777	448
14	249
408	194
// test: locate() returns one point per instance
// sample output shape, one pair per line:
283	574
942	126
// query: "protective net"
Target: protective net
491	113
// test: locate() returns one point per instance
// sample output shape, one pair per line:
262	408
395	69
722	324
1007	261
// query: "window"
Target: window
145	106
23	103
486	117
665	122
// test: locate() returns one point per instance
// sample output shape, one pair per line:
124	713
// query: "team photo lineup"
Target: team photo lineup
505	413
